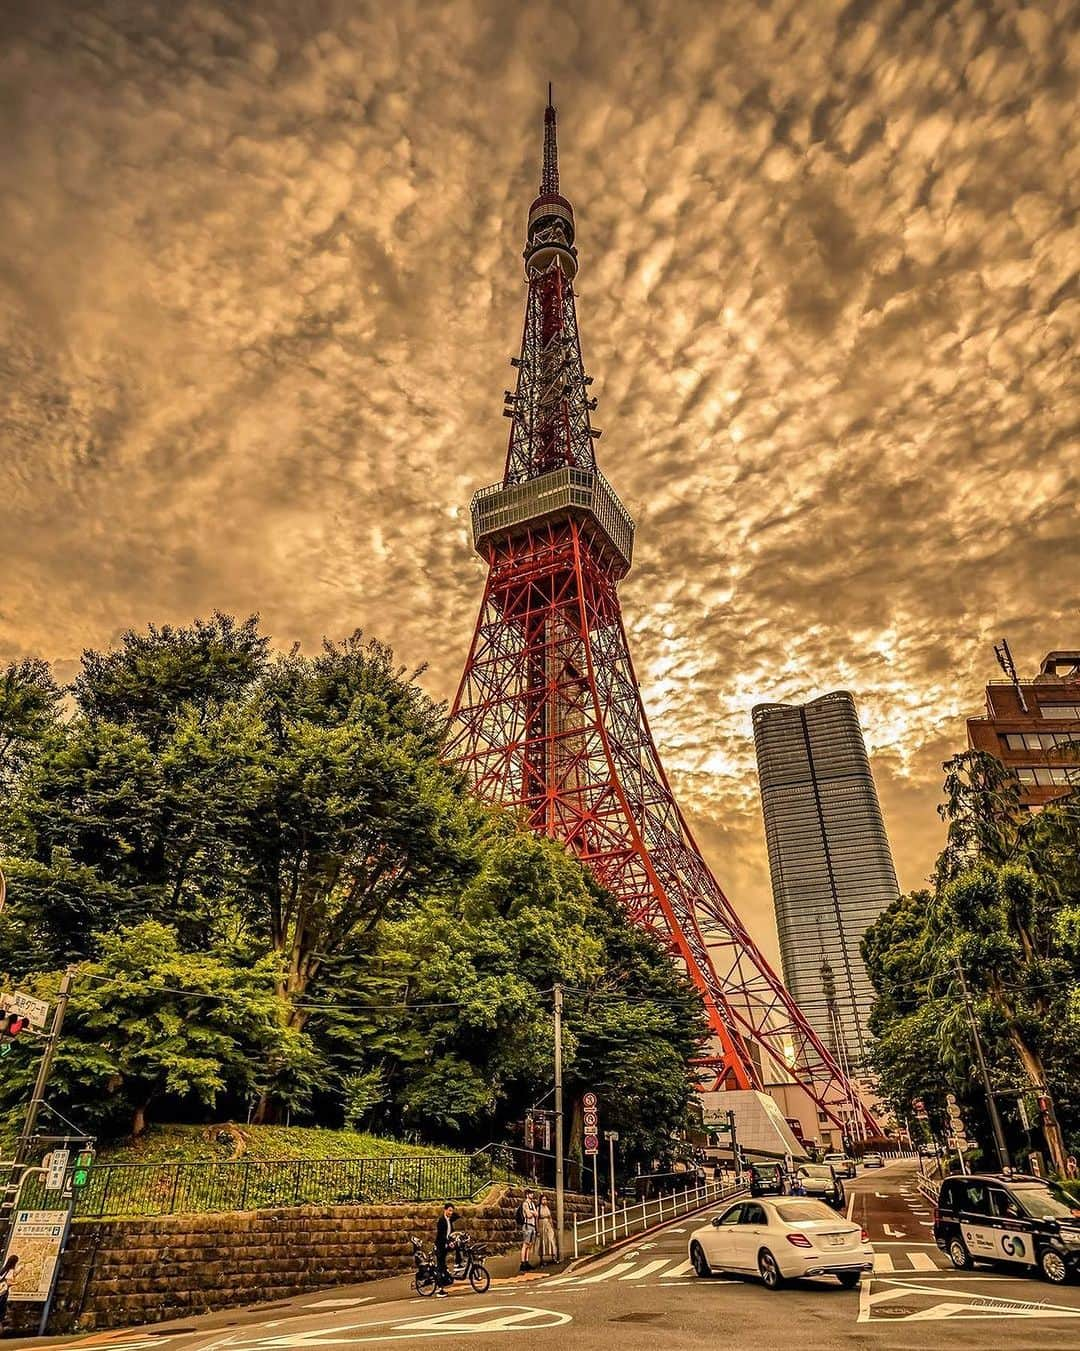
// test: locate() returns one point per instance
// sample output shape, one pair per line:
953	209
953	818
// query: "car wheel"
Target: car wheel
700	1261
849	1279
959	1255
769	1271
1052	1265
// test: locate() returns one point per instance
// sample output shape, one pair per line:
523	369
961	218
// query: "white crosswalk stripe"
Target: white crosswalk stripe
673	1269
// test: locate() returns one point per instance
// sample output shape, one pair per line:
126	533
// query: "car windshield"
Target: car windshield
815	1170
765	1169
1048	1203
799	1212
839	1157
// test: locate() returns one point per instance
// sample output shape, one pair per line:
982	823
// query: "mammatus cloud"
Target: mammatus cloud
260	274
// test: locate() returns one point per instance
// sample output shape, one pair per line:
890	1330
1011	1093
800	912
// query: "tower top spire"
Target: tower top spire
549	174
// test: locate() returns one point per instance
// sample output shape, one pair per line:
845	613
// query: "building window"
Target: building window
1038	741
1045	776
1063	712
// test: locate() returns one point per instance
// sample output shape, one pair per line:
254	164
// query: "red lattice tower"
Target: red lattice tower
548	718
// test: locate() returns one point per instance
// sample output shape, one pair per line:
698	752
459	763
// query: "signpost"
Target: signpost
35	1011
611	1137
55	1165
590	1120
37	1236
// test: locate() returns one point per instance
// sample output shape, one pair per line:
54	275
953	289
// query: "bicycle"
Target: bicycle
469	1265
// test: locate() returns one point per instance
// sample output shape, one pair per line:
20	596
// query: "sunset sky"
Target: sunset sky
260	275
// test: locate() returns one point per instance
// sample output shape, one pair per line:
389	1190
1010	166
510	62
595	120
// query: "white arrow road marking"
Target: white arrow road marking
881	1196
894	1233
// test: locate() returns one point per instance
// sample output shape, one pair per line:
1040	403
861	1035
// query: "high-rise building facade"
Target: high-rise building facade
1033	727
829	858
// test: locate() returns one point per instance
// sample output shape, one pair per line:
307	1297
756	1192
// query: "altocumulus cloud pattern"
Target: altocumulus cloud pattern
260	272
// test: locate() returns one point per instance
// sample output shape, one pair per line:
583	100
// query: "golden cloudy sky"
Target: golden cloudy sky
260	274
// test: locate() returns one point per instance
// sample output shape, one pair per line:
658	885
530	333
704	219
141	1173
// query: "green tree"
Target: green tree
1004	912
148	1022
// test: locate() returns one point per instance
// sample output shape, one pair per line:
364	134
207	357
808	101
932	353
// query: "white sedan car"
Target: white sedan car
780	1237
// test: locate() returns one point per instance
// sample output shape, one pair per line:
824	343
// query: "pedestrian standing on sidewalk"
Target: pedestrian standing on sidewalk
528	1215
545	1233
443	1231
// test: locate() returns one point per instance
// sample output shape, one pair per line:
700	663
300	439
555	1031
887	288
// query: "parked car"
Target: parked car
844	1164
766	1179
1018	1219
818	1179
780	1239
873	1160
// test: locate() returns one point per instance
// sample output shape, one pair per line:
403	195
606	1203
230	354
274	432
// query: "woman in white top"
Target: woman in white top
549	1250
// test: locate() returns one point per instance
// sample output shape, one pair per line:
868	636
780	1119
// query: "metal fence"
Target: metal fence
607	1227
117	1190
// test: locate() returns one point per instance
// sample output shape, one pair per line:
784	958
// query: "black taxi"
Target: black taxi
1014	1218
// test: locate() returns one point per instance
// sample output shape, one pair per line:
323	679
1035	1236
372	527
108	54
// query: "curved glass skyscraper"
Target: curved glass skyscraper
832	870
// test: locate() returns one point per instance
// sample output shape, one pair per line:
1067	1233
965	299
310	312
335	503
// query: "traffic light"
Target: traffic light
81	1171
11	1024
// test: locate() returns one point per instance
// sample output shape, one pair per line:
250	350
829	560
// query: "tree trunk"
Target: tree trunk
138	1120
1033	1068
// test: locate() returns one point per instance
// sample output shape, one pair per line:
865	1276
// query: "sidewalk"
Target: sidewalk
385	1290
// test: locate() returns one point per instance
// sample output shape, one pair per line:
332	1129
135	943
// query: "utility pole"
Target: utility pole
995	1119
26	1137
560	1199
45	1067
612	1136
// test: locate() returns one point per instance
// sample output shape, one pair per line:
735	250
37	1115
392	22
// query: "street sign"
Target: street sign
1022	1108
36	1010
592	1144
36	1236
950	1099
715	1119
590	1120
611	1135
588	1102
56	1165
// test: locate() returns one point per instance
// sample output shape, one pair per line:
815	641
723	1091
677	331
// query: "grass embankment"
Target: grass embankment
220	1143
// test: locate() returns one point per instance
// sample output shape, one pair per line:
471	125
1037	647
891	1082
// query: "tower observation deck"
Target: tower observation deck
548	718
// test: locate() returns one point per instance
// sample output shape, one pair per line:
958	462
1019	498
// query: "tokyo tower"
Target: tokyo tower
548	718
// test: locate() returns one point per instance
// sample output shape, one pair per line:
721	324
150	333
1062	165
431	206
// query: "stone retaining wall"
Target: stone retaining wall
121	1272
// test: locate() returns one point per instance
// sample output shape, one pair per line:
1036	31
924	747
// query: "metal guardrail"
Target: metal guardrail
609	1226
128	1190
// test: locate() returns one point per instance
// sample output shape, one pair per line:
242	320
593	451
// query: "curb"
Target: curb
599	1258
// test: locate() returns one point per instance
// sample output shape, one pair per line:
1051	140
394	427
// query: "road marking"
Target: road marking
606	1275
337	1303
850	1205
922	1261
681	1270
883	1262
960	1303
646	1270
894	1233
452	1323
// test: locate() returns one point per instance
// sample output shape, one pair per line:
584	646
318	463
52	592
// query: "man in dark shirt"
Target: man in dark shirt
443	1230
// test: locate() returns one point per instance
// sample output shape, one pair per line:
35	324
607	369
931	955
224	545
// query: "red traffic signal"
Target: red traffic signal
11	1024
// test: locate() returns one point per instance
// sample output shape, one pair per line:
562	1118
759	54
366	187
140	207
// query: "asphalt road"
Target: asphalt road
646	1298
